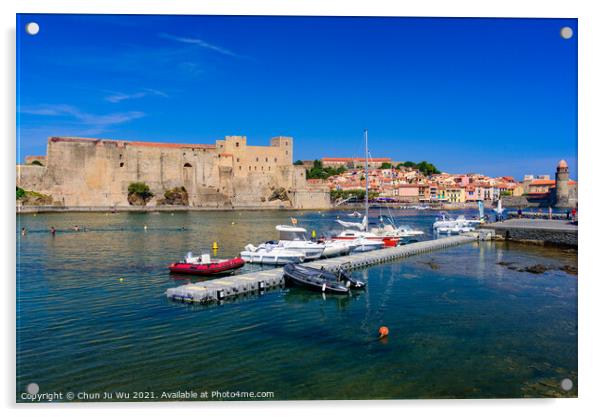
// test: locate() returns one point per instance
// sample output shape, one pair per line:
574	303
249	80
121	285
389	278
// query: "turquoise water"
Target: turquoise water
461	324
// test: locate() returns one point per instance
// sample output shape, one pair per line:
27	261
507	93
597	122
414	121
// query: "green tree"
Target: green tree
319	172
140	189
427	168
386	165
298	162
20	193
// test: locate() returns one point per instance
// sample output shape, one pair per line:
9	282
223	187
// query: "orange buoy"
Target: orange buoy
383	332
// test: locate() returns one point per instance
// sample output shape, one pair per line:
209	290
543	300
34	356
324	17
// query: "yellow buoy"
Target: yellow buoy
121	279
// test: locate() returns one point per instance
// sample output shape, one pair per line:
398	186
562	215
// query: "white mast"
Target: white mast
367	185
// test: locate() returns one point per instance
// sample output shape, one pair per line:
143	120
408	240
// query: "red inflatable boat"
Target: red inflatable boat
215	267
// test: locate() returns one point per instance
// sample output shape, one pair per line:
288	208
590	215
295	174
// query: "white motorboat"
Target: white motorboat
460	224
295	238
390	230
351	235
365	245
338	248
355	214
445	221
271	255
455	230
405	231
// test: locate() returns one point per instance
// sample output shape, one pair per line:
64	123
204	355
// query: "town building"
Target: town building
352	163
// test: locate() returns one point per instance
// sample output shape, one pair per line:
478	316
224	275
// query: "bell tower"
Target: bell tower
562	184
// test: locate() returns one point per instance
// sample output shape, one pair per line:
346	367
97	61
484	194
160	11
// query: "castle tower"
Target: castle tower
562	184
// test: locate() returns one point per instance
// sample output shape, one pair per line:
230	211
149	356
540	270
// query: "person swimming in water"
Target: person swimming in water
52	230
23	231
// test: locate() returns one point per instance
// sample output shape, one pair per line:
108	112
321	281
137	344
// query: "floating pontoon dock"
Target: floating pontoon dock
233	285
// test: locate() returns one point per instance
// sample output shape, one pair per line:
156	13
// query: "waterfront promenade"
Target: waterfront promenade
558	232
219	289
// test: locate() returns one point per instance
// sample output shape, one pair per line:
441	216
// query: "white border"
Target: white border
590	135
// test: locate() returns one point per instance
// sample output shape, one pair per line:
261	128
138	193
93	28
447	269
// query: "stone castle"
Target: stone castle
80	172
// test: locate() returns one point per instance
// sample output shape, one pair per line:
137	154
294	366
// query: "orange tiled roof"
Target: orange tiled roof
543	182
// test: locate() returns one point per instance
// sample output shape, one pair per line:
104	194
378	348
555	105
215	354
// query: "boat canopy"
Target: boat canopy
291	232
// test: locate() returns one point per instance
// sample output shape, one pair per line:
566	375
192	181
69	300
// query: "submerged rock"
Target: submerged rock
569	269
536	269
509	265
432	264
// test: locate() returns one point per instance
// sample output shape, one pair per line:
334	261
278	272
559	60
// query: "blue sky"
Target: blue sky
495	96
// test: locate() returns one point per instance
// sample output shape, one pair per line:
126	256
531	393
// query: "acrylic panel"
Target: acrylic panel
295	208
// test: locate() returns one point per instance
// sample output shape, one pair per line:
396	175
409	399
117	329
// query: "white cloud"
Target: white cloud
117	97
87	122
201	43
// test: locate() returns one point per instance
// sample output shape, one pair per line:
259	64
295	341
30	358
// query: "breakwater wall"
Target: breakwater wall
536	215
235	285
554	232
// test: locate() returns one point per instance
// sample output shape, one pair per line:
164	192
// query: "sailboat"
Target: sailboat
369	239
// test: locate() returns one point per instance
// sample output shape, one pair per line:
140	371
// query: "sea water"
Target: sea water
465	322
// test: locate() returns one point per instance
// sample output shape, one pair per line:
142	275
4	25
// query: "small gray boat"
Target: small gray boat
320	279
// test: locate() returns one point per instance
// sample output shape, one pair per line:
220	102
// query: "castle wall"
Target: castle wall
94	172
247	160
309	199
30	176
